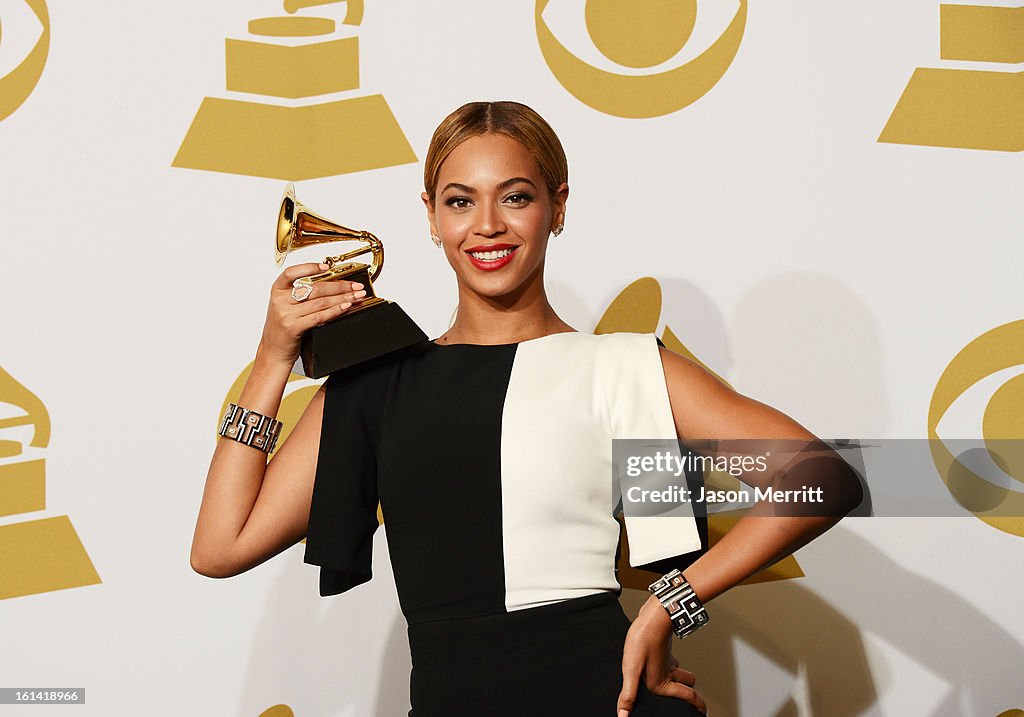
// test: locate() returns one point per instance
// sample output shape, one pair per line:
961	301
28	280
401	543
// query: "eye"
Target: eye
22	28
624	38
457	202
519	198
609	53
976	412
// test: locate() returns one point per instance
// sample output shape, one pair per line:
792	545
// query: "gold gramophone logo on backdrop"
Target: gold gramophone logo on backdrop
636	39
638	308
44	554
967	108
988	372
21	59
304	129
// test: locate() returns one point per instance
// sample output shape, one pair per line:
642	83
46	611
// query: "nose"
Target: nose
490	222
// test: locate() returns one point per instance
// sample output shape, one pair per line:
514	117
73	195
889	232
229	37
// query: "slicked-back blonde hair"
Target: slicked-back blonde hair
511	119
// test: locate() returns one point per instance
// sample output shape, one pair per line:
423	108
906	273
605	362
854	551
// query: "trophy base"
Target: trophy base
355	338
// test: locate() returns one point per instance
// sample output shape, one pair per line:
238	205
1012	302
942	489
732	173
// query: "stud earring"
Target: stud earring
436	239
558	229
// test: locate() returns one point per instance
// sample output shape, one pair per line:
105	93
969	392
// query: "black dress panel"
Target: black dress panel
439	474
495	477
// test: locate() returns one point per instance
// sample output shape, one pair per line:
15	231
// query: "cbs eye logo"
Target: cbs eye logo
639	58
24	45
984	384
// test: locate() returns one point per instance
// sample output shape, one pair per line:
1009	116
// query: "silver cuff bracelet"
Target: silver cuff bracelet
681	602
251	428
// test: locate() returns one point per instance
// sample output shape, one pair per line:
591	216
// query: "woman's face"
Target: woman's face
493	213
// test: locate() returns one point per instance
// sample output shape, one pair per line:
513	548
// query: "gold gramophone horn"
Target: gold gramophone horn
369	328
299	227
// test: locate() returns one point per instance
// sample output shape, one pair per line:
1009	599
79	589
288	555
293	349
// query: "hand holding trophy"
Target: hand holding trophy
371	327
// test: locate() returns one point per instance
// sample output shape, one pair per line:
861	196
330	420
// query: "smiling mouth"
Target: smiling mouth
492	255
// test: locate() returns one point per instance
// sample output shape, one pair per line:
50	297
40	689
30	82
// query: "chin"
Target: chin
509	281
495	288
499	284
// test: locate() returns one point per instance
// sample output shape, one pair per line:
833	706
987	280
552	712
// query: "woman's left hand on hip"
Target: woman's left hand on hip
647	655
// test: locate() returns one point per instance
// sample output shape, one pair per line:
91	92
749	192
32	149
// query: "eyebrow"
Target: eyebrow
469	190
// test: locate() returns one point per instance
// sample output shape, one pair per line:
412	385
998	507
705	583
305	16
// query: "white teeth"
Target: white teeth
490	255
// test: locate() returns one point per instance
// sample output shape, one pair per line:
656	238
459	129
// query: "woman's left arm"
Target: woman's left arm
705	408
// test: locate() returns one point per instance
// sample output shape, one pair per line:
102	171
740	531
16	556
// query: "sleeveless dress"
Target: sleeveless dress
494	471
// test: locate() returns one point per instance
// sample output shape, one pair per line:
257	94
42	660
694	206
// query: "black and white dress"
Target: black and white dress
493	468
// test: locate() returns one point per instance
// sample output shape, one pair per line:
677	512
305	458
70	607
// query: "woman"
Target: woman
489	451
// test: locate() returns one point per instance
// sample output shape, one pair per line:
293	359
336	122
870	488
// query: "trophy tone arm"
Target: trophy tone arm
338	268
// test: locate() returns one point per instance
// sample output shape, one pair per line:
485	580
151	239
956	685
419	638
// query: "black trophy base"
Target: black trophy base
358	337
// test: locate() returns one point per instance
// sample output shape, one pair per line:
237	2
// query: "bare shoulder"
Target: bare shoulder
691	379
705	407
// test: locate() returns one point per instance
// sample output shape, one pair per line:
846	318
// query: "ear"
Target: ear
430	213
558	205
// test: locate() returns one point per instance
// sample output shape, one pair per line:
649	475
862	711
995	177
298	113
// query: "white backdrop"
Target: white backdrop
814	267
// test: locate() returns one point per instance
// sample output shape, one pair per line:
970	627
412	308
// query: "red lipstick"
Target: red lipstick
491	264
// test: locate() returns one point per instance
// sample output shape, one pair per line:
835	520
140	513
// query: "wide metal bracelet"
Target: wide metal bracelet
251	428
681	602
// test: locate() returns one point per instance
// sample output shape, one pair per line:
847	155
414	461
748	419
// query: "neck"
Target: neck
526	314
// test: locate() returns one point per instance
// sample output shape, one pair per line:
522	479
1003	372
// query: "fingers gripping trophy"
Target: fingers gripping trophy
372	326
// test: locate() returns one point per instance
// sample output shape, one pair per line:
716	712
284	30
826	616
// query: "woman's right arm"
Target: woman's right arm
252	510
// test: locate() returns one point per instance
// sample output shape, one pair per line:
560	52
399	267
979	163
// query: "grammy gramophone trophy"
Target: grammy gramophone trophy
371	327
